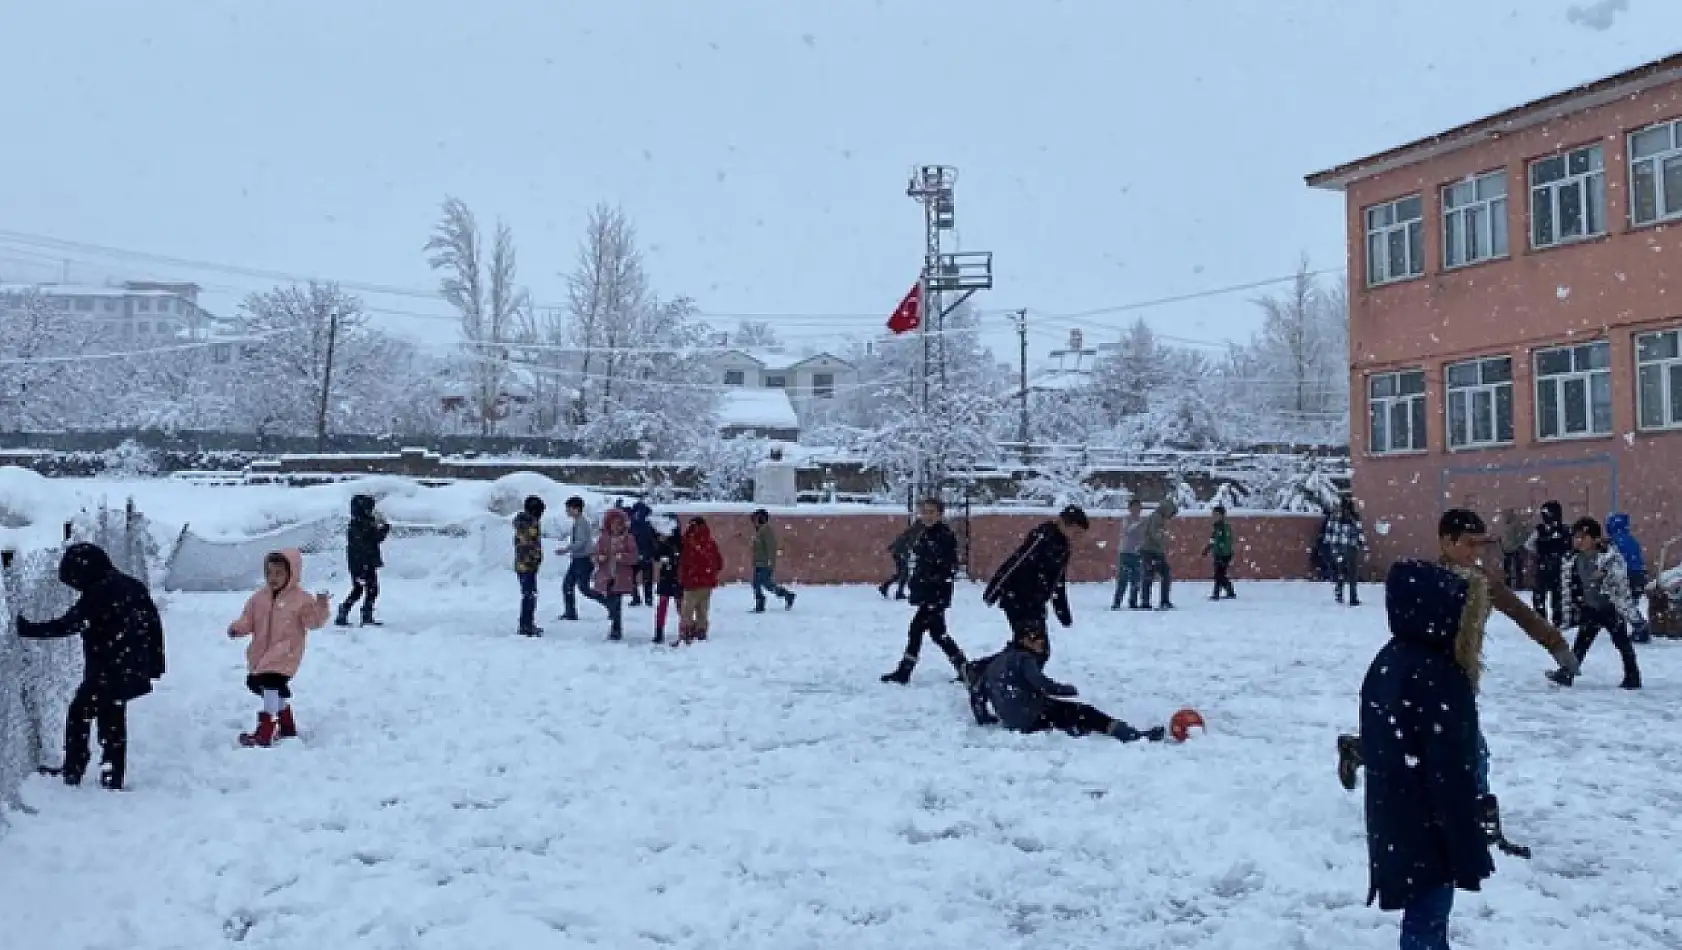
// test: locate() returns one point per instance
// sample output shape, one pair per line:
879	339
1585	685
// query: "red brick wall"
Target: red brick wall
852	548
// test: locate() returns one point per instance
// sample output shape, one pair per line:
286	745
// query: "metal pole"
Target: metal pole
326	381
1022	395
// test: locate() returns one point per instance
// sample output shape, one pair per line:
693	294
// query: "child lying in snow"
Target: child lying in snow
1026	700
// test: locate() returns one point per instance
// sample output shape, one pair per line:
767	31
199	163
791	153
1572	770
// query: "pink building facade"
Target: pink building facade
1516	315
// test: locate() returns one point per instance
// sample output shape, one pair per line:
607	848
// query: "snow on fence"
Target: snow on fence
198	563
38	677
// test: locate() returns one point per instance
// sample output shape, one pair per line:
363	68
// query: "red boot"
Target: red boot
263	737
288	725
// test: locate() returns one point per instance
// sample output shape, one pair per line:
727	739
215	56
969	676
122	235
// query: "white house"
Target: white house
136	313
807	380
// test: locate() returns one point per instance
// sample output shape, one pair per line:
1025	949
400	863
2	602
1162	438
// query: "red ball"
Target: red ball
1183	722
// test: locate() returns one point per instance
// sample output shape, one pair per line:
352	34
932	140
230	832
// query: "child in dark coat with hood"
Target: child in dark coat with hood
122	653
363	538
1420	745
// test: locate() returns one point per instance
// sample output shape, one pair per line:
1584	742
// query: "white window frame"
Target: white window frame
735	377
1584	181
1472	224
1463	399
823	385
776	380
1418	441
1560	381
1383	221
1669	369
1657	161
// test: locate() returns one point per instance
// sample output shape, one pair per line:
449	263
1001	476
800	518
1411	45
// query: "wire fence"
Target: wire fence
38	677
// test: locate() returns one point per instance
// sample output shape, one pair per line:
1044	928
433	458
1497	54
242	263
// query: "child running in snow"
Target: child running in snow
668	555
1024	699
616	567
277	618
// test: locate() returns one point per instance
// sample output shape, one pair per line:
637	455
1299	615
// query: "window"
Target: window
1567	197
1396	412
143	305
1395	241
1655	173
110	305
734	377
1480	402
777	381
145	327
1475	220
221	353
1658	371
84	304
823	385
1574	391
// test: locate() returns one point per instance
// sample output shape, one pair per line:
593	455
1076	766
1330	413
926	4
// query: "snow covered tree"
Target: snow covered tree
1124	380
45	379
954	433
1303	345
277	384
755	333
485	297
640	377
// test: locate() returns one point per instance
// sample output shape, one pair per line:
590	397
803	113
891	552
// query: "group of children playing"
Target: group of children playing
631	557
1143	555
1431	817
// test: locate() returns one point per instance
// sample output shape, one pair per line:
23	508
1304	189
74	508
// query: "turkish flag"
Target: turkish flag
908	315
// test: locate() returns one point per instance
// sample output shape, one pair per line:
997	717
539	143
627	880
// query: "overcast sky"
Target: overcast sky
1110	152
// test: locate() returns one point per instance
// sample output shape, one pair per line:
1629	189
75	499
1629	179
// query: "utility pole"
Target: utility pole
962	273
326	380
1022	394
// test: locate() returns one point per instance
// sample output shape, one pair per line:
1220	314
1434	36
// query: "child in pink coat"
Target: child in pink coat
277	618
616	561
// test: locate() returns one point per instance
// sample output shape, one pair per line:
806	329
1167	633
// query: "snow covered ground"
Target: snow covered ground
459	787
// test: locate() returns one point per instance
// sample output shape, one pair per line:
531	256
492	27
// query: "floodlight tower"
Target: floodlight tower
962	273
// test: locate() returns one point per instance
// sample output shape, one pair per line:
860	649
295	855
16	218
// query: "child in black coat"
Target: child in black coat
363	538
1421	748
668	549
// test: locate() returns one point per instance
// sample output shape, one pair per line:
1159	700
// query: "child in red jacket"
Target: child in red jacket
698	569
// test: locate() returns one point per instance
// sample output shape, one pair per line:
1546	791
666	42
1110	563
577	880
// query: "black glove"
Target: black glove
1064	618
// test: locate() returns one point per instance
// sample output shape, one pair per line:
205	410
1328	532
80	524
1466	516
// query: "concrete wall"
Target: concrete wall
1606	288
852	548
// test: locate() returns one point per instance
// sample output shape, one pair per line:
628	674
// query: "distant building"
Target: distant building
130	315
807	381
1515	313
1071	367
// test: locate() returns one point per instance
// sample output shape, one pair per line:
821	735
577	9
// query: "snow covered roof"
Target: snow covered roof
756	409
80	290
775	360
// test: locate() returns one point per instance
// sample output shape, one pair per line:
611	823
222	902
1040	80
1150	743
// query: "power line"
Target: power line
837	319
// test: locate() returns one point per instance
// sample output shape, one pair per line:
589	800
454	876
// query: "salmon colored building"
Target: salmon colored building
1516	314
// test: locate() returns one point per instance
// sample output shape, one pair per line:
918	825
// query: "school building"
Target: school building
1516	314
